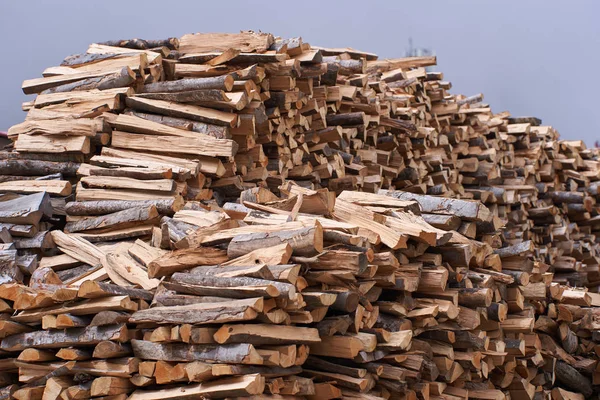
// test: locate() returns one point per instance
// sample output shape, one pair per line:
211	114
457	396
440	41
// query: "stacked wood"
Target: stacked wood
245	216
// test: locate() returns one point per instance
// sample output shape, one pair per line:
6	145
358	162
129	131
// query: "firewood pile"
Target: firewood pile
246	216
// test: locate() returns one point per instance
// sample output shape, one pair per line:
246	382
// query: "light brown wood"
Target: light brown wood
308	222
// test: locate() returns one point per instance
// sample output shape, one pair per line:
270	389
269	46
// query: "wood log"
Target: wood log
26	210
221	388
305	241
92	306
247	42
110	349
124	77
235	287
570	377
58	339
468	210
227	353
170	109
38	85
118	220
199	145
218	131
224	82
56	187
102	207
258	334
182	259
201	313
92	289
206	98
37	167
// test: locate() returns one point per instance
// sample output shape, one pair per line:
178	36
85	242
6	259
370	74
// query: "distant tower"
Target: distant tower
413	51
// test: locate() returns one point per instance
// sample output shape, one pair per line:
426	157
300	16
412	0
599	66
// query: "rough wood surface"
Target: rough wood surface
270	219
86	208
120	219
232	353
58	339
202	313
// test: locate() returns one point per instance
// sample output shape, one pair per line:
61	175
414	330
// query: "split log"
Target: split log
70	337
201	313
469	210
258	334
179	260
195	113
221	388
102	207
305	241
124	77
118	220
227	353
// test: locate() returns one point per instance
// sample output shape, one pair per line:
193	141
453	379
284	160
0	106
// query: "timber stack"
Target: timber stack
246	216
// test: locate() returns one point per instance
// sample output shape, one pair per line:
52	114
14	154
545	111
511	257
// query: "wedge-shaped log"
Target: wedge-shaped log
359	216
101	207
179	260
26	210
272	256
266	334
120	219
87	307
8	328
224	82
201	313
68	127
195	113
239	386
119	182
304	241
134	124
124	270
338	347
209	237
141	173
469	210
110	386
125	77
52	144
92	289
241	353
91	335
247	42
108	349
372	199
259	271
199	145
119	367
38	85
86	194
56	187
235	287
217	131
206	98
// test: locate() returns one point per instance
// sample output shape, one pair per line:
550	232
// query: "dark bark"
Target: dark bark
144	44
123	78
572	379
101	207
224	82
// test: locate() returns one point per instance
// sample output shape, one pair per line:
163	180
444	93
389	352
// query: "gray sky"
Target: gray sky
527	57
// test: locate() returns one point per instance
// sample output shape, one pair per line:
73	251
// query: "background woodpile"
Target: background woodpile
244	216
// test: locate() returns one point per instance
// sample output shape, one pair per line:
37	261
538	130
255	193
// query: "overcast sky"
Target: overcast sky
528	57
